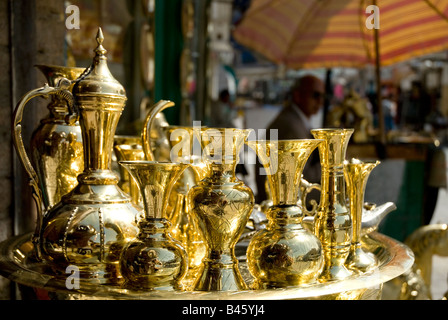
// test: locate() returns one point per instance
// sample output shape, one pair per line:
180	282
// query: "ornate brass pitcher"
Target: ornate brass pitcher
56	145
91	224
184	224
284	254
356	174
332	223
222	205
155	259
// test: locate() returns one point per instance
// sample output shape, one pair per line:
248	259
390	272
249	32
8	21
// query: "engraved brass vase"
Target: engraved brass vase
155	260
90	225
332	223
284	253
222	205
356	175
56	145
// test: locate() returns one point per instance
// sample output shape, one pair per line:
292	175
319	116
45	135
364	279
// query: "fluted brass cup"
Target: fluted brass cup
356	175
284	253
155	260
332	223
222	205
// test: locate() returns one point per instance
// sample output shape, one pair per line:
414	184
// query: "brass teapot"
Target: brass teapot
91	224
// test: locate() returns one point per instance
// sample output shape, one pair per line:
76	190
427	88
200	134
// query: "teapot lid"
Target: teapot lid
97	79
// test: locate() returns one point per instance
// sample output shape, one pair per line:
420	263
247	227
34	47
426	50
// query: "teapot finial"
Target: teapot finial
100	51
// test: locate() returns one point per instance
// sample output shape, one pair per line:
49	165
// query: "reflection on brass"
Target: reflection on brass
181	139
222	205
129	148
356	175
332	225
185	228
284	253
155	259
394	258
56	144
90	225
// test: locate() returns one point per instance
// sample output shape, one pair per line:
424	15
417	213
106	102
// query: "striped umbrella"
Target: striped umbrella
302	34
335	33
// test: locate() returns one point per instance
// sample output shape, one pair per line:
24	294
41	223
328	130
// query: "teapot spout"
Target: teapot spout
372	216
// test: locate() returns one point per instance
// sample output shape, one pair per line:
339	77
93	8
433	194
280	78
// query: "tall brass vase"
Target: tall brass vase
56	156
155	259
332	223
222	204
284	253
90	225
356	175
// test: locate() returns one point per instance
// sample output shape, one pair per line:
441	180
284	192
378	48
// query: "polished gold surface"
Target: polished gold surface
149	134
184	224
56	144
332	225
90	225
155	260
394	258
284	253
129	148
356	175
222	205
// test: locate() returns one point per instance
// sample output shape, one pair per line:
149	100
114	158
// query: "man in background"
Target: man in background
293	122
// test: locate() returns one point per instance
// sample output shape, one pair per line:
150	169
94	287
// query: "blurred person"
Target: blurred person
223	113
306	97
389	112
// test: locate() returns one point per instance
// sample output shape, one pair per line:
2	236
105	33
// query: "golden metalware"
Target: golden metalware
356	175
415	284
56	145
90	225
152	137
129	148
332	224
155	260
284	253
222	204
394	259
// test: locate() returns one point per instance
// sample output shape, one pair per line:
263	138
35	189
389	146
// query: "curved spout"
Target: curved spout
146	132
371	218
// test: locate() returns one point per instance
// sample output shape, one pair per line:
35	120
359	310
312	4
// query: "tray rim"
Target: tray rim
395	259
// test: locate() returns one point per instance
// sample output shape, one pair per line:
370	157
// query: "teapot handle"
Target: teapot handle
60	90
306	187
146	132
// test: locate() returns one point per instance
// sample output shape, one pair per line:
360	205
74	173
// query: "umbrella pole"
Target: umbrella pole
382	135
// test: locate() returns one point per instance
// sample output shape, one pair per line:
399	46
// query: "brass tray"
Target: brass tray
394	259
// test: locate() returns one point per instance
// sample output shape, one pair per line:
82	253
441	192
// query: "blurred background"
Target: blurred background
190	51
